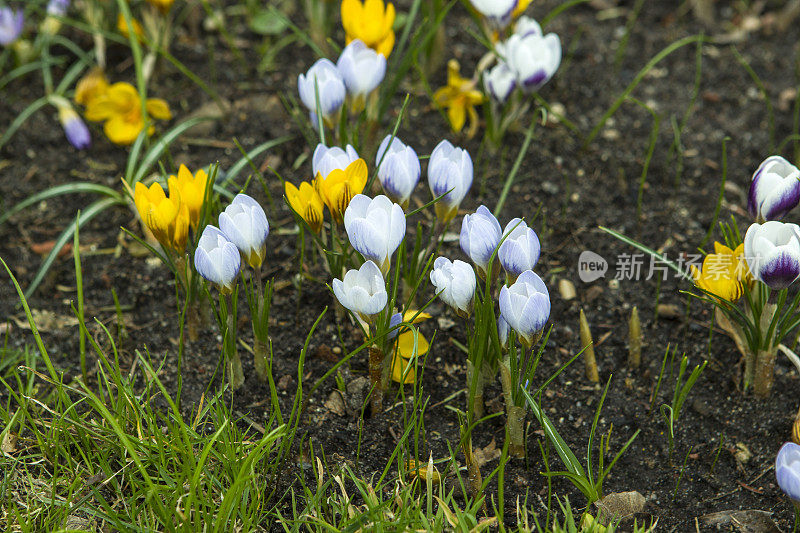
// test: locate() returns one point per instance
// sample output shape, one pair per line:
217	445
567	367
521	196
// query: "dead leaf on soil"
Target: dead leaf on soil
487	454
619	505
335	403
747	521
9	444
44	248
46	320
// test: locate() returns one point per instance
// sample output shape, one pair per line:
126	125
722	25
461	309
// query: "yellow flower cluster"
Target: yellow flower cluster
723	273
334	191
119	106
370	21
170	217
460	97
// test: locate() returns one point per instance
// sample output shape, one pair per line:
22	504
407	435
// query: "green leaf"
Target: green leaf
264	22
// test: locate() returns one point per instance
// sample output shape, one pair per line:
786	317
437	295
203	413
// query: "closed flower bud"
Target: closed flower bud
500	81
774	189
480	235
57	7
787	470
362	291
193	190
520	250
362	69
11	24
245	224
166	217
327	159
502	331
772	252
74	127
322	78
217	259
306	202
375	227
525	305
533	58
399	169
455	284
498	12
449	169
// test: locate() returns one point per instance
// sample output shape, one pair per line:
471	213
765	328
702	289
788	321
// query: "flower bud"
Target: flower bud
525	305
245	224
774	189
74	127
787	470
322	78
399	169
217	259
533	58
520	250
327	159
498	12
362	291
772	252
449	169
455	284
500	81
480	235
375	227
362	70
11	24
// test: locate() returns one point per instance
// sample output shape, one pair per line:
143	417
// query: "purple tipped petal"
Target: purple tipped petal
780	271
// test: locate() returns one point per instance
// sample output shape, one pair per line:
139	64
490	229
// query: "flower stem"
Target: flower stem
234	364
376	378
260	331
475	394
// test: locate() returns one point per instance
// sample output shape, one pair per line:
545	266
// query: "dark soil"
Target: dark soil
577	190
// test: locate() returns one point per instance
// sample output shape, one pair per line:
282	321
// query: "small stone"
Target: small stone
668	311
567	289
335	403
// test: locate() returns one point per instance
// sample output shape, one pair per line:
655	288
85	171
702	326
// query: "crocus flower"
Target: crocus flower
787	470
125	30
533	58
774	189
306	202
327	159
245	224
57	7
497	12
520	250
370	21
772	252
522	5
192	189
449	169
455	284
460	97
74	127
375	227
11	23
161	5
341	186
362	69
399	169
480	235
121	109
166	217
405	350
527	26
525	306
217	259
502	331
322	78
723	272
90	86
362	291
500	81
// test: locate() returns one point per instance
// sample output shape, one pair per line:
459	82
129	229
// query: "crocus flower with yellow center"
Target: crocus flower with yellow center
460	97
404	343
306	202
723	273
167	217
121	109
339	187
192	189
91	85
371	21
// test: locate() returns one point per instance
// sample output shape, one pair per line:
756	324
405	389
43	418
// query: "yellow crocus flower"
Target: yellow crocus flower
370	21
91	85
723	273
120	107
405	348
192	189
166	217
522	5
162	5
306	202
339	187
122	27
460	97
